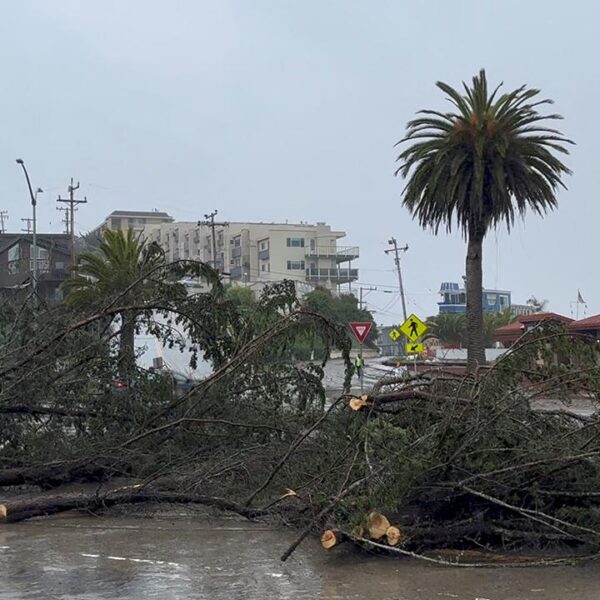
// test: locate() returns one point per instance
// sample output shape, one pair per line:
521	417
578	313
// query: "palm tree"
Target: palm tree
491	322
118	271
480	166
448	328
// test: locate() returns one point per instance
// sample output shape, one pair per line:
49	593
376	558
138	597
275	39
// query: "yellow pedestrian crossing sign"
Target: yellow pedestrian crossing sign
413	328
415	347
395	335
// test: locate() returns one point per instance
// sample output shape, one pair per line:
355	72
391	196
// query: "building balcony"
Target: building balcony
336	276
339	254
263	254
236	252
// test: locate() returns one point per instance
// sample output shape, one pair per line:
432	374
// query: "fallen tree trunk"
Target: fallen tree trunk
21	508
52	474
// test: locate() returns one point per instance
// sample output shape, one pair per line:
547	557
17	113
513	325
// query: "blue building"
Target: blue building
454	299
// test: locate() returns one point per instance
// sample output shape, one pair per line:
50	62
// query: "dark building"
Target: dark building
16	263
387	347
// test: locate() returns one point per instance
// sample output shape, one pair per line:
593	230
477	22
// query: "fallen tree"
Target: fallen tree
418	464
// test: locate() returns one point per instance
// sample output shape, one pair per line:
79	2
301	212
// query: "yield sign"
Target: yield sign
361	330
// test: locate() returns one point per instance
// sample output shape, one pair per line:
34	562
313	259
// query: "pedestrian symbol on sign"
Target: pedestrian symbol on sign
413	328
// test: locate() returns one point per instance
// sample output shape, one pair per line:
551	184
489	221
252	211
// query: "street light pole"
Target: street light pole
34	241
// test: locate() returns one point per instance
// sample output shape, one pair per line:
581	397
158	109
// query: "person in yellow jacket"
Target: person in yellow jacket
358	365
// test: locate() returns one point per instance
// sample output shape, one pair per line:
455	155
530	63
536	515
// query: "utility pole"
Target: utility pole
28	225
65	220
3	217
396	251
360	295
210	221
72	202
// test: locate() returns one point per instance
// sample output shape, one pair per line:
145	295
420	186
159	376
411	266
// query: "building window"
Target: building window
237	242
295	265
491	299
14	253
263	267
263	245
295	242
504	301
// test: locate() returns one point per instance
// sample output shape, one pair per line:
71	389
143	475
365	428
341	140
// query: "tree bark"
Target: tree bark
127	343
92	497
52	474
474	289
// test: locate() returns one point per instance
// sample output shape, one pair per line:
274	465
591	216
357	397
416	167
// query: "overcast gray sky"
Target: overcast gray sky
272	110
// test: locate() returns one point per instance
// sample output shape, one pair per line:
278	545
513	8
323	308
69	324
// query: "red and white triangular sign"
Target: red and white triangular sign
361	330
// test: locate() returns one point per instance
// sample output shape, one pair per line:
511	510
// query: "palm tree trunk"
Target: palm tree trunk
475	347
127	343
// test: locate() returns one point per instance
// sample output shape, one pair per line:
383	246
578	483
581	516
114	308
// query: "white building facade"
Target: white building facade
259	253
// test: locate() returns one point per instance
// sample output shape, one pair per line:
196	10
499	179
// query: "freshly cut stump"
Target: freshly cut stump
358	403
358	532
378	525
329	539
393	535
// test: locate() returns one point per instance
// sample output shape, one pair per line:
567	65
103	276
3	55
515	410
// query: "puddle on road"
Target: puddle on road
149	559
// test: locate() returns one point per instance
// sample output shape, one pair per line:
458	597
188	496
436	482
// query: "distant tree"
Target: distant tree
88	242
120	270
342	309
450	329
491	322
538	305
478	167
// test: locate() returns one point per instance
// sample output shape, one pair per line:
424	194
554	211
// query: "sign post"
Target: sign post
413	328
361	330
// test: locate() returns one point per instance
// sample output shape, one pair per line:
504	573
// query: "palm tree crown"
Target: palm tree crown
477	167
485	163
122	259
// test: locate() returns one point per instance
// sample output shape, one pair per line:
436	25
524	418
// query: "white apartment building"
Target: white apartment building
133	219
259	253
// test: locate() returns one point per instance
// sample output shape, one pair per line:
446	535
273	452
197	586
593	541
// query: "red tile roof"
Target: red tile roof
592	322
537	317
513	327
510	333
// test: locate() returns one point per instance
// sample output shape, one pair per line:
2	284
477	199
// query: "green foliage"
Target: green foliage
122	260
342	309
451	329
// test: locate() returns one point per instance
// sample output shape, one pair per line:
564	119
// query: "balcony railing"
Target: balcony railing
334	275
236	252
339	254
263	254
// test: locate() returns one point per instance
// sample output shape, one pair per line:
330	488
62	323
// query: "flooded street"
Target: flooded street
109	558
